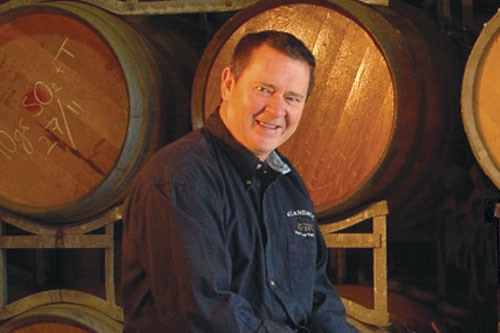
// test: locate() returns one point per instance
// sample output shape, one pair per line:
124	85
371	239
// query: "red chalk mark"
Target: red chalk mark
35	99
30	104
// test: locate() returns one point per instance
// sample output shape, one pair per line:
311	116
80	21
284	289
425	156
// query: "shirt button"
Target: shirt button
259	166
272	283
248	182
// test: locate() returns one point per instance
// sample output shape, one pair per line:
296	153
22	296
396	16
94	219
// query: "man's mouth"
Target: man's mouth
266	125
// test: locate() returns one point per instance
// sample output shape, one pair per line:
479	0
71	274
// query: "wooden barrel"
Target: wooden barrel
84	101
375	123
62	318
480	95
177	47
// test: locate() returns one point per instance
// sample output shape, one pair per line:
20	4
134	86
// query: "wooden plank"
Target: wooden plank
55	242
353	240
373	210
153	7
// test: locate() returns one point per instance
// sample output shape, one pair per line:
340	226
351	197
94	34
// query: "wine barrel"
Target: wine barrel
376	121
62	318
84	102
480	95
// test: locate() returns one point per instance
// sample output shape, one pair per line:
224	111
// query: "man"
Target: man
219	230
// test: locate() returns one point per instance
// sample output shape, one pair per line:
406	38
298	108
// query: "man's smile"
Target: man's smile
267	125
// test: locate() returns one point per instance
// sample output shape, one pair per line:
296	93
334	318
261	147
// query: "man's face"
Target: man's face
262	109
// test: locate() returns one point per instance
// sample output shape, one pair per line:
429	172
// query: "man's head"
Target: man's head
265	88
284	42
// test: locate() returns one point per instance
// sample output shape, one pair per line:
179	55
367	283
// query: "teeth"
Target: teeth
266	125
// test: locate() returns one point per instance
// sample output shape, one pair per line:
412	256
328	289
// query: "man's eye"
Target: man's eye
293	99
264	89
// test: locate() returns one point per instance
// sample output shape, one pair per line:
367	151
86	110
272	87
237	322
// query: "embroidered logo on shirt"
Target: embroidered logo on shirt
300	212
304	229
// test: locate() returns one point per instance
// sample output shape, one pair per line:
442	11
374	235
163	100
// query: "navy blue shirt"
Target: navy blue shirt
217	241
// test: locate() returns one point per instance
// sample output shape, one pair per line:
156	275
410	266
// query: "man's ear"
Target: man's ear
227	82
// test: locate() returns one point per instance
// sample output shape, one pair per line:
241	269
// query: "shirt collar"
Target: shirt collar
246	162
276	163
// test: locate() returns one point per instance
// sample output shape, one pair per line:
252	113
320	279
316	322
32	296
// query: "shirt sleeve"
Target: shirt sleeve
174	239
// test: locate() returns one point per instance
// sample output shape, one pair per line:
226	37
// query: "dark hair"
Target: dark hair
279	40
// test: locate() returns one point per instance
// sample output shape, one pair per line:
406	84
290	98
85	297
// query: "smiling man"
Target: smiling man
263	110
219	232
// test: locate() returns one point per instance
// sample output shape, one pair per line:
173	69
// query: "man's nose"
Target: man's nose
276	105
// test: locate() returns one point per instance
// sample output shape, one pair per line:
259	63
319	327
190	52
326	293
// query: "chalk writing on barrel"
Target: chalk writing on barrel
7	144
47	110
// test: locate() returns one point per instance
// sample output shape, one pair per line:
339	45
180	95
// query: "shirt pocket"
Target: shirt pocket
302	252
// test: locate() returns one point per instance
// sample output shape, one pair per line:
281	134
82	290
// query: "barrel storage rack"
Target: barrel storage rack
60	310
376	314
88	219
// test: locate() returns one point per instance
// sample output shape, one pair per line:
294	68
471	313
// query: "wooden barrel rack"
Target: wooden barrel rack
59	308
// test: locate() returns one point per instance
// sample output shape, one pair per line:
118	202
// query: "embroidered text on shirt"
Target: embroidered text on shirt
300	212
